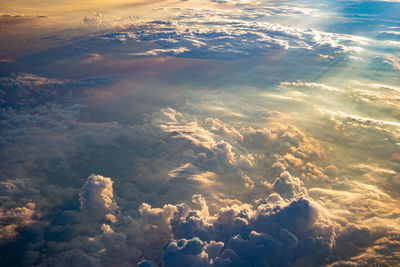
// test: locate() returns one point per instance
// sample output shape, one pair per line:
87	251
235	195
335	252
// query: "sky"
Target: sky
199	133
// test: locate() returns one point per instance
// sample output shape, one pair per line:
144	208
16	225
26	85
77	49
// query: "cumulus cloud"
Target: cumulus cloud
17	209
288	224
97	197
239	235
258	181
91	236
14	218
289	230
278	232
288	186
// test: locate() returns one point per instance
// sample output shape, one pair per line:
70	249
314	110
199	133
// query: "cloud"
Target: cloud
15	218
288	186
359	121
95	19
386	62
381	206
217	179
40	110
212	151
156	52
192	252
276	231
87	237
287	219
253	203
98	21
312	85
97	197
280	232
8	22
25	89
216	36
17	209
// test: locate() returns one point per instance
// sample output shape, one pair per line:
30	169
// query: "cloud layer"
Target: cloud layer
202	133
214	34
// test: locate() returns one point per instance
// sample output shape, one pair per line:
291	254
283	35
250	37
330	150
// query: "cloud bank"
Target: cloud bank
214	34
